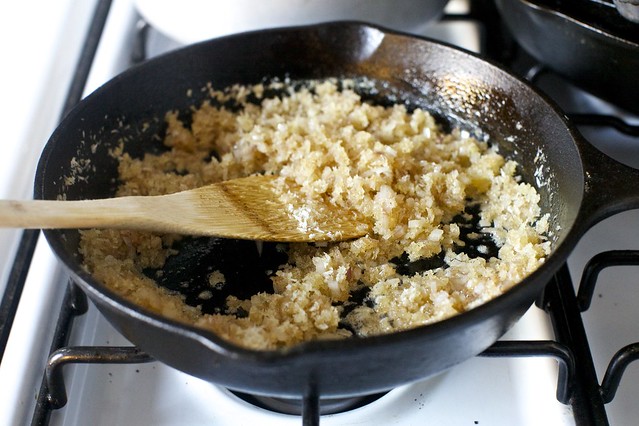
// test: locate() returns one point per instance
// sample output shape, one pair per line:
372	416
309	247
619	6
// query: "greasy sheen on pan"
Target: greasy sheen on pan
453	225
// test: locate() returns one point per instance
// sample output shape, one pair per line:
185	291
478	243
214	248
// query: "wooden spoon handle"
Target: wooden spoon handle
202	211
247	208
46	214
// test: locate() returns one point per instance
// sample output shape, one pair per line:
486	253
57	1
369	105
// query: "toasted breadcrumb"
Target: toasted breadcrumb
410	180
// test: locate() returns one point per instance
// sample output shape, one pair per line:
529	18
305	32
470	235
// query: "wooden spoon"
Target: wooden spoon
246	208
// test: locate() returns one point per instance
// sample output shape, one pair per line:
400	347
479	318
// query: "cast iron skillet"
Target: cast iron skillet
578	186
587	41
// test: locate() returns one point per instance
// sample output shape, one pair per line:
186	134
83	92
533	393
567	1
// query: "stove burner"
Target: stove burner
294	406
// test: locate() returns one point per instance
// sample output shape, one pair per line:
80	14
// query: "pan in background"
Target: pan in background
190	21
588	42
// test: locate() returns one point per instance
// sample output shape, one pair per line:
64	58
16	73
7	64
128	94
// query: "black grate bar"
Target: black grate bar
598	263
311	408
74	304
561	304
29	239
15	285
604	120
535	72
139	51
528	348
615	370
589	279
87	55
57	393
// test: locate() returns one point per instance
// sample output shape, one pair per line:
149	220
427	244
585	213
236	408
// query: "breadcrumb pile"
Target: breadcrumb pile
409	179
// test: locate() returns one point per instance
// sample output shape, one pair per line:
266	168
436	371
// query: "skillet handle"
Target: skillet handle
610	186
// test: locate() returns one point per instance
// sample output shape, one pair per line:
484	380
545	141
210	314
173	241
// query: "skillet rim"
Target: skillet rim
560	14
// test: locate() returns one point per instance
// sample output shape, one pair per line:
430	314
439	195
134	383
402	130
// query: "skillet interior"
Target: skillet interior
458	88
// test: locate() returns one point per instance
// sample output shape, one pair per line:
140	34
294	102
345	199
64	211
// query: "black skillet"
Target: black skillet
578	187
587	41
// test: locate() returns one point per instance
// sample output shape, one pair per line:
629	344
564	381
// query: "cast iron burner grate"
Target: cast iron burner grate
52	394
577	384
577	381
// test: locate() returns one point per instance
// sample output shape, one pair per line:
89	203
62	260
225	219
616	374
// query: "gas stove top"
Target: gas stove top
552	353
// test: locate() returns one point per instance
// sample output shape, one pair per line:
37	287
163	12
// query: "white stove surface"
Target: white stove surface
481	391
39	50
